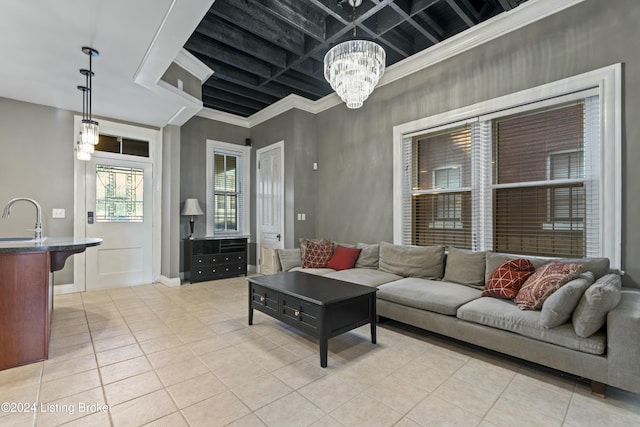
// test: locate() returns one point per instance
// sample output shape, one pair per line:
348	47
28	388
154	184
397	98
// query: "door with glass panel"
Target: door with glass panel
118	210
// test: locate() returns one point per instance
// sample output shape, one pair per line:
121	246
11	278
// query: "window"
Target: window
227	188
225	192
119	194
535	175
441	188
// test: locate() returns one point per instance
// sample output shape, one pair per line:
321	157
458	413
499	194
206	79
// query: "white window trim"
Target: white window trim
608	83
244	153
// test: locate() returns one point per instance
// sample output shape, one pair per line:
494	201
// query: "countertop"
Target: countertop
50	244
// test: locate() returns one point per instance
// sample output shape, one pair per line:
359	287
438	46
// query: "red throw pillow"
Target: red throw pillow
506	280
343	258
546	280
317	254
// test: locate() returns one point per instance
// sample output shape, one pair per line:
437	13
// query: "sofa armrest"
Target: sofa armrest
623	342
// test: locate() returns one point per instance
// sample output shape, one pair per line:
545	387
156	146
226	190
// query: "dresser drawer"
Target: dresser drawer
299	313
200	260
264	300
232	258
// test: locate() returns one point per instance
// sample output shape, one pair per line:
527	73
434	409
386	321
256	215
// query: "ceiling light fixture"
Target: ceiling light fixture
89	132
353	68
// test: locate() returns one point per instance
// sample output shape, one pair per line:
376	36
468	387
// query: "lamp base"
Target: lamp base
191	224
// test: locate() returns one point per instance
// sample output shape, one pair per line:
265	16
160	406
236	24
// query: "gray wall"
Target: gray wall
193	165
36	161
170	250
298	131
355	147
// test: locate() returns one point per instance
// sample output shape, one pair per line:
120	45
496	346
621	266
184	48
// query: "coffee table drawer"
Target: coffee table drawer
299	313
264	300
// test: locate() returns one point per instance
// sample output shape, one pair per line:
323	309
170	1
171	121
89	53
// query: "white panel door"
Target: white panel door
118	210
270	205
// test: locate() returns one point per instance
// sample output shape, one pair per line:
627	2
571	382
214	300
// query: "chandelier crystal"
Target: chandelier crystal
353	68
89	131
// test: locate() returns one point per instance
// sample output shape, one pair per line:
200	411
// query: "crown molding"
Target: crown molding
491	29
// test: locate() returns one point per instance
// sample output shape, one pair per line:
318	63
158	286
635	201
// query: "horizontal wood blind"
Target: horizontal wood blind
539	194
441	188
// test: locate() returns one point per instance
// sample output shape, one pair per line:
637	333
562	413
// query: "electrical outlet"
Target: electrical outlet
180	85
58	213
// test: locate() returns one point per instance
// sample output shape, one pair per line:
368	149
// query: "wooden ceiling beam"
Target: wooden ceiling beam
506	5
304	86
220	52
211	93
402	11
226	86
218	29
418	6
300	15
230	107
465	16
251	18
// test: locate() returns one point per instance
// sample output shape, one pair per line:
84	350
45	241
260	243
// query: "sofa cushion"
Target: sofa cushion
316	254
343	258
368	256
412	261
465	267
436	296
365	276
317	271
504	314
494	259
507	279
601	297
289	258
543	282
558	308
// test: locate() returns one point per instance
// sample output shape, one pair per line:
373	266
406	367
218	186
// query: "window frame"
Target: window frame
605	82
243	155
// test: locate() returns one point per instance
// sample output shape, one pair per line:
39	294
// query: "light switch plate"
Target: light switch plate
58	213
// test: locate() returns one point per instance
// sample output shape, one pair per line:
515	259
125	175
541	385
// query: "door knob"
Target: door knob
278	237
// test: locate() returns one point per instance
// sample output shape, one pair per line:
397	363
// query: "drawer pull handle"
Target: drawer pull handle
213	271
239	268
200	261
199	271
262	299
226	259
226	269
213	260
239	257
296	313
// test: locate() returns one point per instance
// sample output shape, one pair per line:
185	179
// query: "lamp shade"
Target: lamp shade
192	207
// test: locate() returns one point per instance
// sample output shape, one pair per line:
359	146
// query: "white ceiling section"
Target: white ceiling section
40	49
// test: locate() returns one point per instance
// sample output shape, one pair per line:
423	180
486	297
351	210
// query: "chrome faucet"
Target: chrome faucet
7	211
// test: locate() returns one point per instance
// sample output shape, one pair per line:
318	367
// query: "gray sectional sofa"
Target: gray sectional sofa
442	293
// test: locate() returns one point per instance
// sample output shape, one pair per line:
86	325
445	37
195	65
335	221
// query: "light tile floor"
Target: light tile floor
185	356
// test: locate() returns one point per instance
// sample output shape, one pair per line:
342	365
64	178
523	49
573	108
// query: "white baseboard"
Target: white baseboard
172	283
67	288
252	268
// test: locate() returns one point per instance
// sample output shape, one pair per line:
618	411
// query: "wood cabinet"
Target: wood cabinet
215	258
25	308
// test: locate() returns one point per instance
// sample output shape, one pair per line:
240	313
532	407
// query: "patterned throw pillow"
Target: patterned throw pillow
546	280
506	280
316	253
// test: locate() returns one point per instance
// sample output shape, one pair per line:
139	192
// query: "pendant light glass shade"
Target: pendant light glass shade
89	131
353	68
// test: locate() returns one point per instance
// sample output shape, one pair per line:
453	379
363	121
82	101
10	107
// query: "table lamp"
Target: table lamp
191	208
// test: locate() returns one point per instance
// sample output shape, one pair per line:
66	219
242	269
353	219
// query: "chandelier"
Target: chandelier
89	133
353	68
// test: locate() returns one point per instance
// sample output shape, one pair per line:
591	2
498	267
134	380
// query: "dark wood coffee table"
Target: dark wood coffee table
320	306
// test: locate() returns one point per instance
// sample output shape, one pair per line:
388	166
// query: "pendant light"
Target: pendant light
89	131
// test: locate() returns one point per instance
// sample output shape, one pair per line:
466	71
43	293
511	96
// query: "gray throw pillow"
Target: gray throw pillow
601	297
412	261
465	267
289	258
558	308
368	256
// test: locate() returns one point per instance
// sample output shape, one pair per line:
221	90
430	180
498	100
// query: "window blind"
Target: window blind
523	181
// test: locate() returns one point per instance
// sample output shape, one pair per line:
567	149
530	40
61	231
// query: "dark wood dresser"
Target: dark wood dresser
214	258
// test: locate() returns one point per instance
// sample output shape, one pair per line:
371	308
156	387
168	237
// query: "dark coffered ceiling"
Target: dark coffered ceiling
264	50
